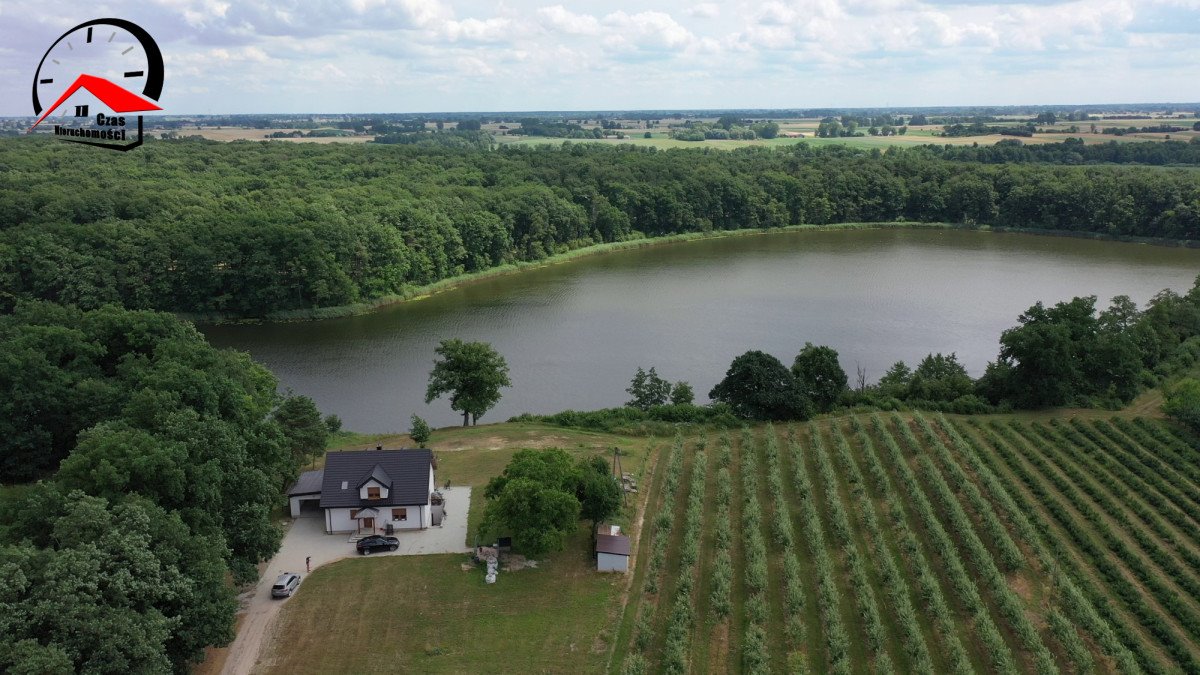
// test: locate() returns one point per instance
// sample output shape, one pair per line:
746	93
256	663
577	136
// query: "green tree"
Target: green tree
333	423
534	499
304	431
757	386
682	394
896	380
472	373
420	431
648	390
940	378
1182	402
113	588
597	490
819	376
549	467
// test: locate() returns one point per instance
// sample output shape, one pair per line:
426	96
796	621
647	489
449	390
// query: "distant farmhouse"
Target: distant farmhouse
370	491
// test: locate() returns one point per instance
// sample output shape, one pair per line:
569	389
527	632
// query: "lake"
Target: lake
574	333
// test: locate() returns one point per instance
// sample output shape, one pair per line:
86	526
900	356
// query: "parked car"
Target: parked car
377	542
285	585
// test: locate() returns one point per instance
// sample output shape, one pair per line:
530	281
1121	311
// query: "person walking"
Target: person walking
308	563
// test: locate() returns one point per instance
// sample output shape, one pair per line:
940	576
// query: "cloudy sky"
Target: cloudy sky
448	55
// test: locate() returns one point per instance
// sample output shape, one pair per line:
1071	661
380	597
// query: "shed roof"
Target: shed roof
612	543
407	470
309	483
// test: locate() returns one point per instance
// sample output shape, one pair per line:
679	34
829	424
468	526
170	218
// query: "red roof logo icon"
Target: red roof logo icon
118	99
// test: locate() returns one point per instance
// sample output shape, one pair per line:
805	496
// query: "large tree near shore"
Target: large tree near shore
471	373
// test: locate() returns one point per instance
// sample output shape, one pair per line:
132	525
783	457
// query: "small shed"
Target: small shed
612	550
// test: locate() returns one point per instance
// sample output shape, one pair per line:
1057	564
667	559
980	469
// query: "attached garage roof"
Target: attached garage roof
309	483
610	543
407	471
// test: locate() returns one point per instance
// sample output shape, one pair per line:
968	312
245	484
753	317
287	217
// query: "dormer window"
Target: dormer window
373	492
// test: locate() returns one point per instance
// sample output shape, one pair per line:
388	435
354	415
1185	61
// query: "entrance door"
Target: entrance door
368	524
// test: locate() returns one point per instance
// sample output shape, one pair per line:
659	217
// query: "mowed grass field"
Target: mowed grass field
891	543
428	614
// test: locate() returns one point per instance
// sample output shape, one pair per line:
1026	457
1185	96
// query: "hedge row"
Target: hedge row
999	655
1099	559
756	657
1009	605
836	639
868	608
927	584
892	582
1088	604
1136	564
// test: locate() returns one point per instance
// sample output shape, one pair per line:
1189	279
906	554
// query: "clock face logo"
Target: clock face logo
94	78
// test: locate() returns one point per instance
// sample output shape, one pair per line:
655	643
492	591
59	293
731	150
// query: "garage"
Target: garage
305	495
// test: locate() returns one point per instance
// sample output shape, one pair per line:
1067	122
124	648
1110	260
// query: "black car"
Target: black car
376	542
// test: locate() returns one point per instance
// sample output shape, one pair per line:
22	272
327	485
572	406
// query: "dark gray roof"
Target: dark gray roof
309	483
408	471
379	475
612	543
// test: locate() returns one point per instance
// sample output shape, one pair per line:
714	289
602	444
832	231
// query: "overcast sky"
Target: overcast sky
447	55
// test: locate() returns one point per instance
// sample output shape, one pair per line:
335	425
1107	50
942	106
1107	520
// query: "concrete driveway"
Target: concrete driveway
306	538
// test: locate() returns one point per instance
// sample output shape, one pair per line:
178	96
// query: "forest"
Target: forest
162	462
248	229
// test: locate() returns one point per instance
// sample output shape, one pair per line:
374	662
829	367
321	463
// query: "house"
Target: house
369	491
612	550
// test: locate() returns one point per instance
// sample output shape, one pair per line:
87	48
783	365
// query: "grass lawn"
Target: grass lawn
401	614
424	613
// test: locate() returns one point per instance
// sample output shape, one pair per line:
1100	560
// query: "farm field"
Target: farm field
871	543
888	543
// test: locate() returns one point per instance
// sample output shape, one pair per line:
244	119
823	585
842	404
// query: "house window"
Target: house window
353	514
399	514
372	493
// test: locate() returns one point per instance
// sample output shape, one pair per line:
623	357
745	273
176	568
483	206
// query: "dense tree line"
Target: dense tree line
1071	151
451	138
250	228
163	458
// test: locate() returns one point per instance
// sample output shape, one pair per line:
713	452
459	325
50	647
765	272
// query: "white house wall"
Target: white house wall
339	520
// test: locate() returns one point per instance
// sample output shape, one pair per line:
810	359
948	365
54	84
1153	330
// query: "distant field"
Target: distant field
660	135
244	134
920	135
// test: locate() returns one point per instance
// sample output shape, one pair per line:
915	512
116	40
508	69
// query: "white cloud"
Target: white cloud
704	10
559	19
657	53
647	30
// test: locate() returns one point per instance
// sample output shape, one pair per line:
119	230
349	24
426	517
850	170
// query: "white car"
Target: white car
285	585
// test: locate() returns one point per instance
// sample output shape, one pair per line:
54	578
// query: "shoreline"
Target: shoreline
429	290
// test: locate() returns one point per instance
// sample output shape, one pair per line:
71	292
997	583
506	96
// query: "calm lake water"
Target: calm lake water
574	333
